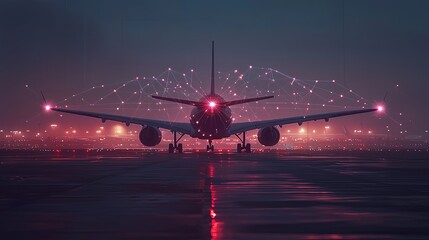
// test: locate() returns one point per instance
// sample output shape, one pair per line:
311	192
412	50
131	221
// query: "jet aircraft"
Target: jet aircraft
211	118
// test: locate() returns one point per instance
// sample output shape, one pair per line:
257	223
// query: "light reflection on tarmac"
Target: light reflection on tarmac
132	195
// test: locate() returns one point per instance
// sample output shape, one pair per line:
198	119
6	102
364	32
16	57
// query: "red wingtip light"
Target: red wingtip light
47	107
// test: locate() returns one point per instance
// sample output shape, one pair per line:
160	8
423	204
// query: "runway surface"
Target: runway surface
282	195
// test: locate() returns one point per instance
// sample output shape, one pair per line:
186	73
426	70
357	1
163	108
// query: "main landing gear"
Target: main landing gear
178	147
243	146
210	147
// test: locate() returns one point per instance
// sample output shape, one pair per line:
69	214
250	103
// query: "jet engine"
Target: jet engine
268	136
150	136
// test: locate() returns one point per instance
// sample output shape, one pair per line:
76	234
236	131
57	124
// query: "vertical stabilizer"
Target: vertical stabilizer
212	89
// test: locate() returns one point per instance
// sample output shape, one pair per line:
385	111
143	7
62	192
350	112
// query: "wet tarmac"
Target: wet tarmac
280	195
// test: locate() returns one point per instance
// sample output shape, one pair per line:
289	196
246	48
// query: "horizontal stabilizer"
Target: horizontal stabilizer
188	102
235	102
222	104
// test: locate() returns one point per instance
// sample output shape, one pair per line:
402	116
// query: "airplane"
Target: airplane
211	118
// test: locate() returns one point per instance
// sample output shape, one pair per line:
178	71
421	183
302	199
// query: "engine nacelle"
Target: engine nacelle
268	136
150	136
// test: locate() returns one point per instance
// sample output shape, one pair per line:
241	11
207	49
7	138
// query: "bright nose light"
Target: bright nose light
212	104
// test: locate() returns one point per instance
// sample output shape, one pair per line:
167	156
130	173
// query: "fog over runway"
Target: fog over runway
275	195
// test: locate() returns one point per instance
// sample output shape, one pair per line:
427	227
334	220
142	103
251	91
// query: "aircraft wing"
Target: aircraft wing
173	126
247	126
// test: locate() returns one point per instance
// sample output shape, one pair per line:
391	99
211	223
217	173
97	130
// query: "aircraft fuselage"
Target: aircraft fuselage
211	120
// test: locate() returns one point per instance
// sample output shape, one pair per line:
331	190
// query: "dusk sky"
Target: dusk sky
64	47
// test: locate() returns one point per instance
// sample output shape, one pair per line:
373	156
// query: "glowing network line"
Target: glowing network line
303	96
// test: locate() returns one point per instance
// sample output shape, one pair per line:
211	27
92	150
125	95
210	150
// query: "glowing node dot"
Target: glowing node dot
47	107
380	108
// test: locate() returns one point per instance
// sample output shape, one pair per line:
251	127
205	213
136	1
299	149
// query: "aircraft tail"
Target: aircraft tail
212	92
346	132
212	88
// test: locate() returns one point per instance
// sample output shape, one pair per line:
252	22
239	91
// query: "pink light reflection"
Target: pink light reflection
216	226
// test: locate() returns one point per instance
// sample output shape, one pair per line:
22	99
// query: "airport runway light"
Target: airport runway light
118	130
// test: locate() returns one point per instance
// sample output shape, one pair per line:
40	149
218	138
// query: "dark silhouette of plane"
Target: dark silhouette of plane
210	119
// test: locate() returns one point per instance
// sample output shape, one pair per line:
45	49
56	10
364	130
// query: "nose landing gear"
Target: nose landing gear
210	147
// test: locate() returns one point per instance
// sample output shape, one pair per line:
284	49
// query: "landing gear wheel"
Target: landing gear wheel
248	148
243	146
210	148
170	148
175	145
238	147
